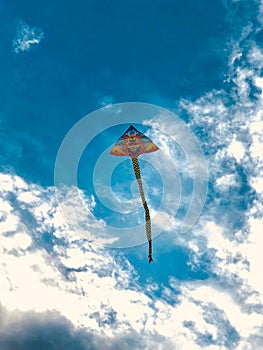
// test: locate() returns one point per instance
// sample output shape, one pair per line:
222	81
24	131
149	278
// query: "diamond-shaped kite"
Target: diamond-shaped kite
133	143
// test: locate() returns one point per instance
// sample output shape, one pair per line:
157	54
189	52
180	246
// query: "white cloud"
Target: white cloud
32	278
71	276
99	295
239	290
231	134
26	37
257	184
236	149
226	181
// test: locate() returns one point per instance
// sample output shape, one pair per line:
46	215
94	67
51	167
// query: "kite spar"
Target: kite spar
133	143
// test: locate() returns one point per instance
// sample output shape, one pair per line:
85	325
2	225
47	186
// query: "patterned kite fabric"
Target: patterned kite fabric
136	168
133	143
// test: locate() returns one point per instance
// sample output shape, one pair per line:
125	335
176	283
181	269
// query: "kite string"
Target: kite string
136	168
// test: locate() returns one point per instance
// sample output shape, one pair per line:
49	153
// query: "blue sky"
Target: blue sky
73	77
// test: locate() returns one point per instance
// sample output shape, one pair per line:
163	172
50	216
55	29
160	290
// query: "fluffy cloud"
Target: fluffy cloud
45	267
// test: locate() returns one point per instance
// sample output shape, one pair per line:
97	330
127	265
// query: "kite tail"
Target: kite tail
136	168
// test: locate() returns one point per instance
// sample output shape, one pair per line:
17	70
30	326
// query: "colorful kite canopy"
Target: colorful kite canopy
133	143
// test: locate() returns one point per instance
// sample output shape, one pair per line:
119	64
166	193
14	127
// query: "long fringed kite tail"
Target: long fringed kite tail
136	168
132	144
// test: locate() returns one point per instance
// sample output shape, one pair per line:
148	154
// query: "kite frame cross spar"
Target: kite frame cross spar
134	143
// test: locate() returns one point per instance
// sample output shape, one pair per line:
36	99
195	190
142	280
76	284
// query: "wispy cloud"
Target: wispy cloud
26	37
230	130
106	101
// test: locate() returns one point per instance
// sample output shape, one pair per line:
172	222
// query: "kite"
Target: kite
133	143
